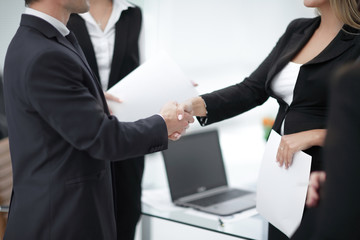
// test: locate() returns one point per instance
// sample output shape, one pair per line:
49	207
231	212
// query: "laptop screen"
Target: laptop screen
194	164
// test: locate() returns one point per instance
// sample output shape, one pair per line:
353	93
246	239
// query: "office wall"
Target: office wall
203	35
218	43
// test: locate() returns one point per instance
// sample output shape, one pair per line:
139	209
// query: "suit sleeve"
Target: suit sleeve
236	99
65	97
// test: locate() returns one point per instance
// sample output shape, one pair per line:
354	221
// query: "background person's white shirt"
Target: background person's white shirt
104	41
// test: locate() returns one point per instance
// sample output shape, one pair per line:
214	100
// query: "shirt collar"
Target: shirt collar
118	7
53	21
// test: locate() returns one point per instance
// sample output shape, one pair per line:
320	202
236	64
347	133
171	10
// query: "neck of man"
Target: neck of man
60	9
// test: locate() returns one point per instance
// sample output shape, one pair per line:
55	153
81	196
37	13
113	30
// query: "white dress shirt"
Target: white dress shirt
104	41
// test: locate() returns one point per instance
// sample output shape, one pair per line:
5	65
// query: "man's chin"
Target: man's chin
85	7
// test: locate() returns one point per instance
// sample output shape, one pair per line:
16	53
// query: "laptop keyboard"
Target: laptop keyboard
220	197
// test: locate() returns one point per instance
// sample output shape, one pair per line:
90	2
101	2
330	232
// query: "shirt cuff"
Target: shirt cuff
202	120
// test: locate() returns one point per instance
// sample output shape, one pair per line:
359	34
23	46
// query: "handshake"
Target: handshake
178	116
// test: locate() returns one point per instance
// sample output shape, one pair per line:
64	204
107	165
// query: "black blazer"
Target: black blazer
62	139
337	216
310	102
126	50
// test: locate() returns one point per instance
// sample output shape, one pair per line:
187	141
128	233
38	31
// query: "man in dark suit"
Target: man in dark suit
336	196
62	137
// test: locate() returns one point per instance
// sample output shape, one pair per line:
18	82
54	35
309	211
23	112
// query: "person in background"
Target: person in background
62	136
109	37
333	194
296	73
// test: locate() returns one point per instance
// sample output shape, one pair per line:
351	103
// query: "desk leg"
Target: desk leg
145	227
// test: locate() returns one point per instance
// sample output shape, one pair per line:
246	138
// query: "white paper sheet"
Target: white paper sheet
281	193
145	90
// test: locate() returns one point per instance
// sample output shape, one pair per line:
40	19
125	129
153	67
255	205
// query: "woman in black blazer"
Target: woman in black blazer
126	175
304	57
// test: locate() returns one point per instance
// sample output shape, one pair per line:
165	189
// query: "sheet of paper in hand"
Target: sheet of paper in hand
281	193
146	89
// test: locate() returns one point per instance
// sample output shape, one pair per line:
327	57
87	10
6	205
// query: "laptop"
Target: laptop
197	179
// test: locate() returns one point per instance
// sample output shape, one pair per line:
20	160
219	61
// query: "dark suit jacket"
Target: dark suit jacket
126	175
337	216
3	124
62	139
309	107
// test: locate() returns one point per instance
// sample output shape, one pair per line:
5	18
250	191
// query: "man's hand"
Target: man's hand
176	118
316	181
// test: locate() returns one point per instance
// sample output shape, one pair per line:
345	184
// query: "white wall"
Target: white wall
10	12
218	43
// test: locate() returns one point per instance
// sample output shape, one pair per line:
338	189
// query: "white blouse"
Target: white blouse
284	83
104	41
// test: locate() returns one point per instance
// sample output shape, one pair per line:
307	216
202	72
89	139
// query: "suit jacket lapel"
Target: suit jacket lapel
50	32
121	33
296	42
78	26
340	44
62	40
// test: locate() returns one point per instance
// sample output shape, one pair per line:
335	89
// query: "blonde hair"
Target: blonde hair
347	11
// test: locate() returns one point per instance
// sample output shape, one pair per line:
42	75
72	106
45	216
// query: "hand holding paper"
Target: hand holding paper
149	87
281	192
292	143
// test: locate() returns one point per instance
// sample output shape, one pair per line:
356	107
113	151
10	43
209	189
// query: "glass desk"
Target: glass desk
246	225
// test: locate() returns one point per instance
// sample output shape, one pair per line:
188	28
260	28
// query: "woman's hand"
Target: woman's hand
194	83
313	195
292	143
110	97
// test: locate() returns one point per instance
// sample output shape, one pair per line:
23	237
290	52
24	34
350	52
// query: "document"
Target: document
146	89
281	193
